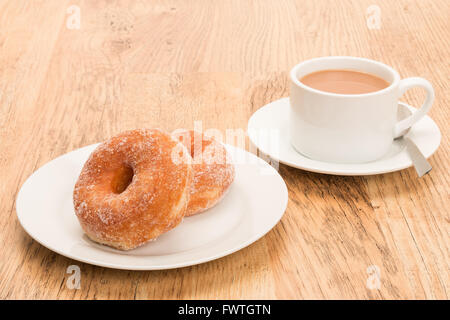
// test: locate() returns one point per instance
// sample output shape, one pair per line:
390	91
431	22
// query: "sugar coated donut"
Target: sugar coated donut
212	167
130	191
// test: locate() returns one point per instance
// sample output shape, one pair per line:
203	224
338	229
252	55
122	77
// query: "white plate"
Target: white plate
253	205
268	129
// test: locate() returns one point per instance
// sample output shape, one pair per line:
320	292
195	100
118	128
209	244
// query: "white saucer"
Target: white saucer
268	129
253	205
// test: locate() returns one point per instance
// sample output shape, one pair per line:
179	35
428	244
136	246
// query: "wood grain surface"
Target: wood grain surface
167	64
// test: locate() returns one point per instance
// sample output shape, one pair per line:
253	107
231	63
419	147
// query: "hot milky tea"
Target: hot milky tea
344	81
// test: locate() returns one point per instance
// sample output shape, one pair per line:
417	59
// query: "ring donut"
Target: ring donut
130	191
212	167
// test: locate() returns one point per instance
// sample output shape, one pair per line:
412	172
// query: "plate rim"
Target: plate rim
187	263
338	172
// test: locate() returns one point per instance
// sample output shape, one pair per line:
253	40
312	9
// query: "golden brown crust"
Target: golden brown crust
212	167
126	211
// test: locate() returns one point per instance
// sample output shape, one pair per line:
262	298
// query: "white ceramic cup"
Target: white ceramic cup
349	128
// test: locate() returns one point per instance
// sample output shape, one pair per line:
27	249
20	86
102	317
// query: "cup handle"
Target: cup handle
404	85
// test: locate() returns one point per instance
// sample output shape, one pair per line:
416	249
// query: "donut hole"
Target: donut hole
122	179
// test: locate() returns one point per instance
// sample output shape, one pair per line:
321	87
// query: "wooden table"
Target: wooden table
130	64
